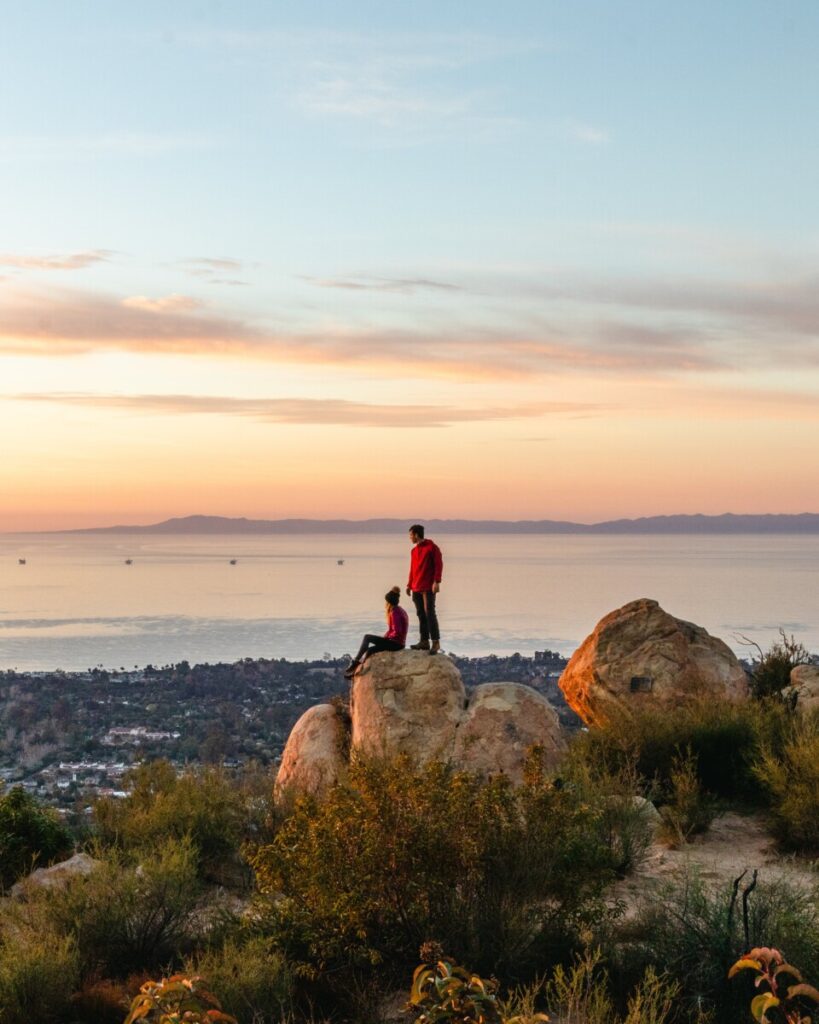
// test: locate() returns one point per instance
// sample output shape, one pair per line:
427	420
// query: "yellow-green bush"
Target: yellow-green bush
724	738
502	877
39	970
124	916
216	812
253	982
791	777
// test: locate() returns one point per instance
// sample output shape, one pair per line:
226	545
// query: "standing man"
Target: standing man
426	569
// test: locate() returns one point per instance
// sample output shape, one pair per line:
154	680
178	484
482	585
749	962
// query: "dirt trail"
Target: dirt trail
733	843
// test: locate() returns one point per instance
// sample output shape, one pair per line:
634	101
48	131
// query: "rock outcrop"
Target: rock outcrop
639	656
58	875
410	703
407	702
501	722
805	678
313	758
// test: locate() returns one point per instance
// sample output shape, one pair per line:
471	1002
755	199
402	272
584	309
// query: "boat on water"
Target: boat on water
340	561
21	561
233	561
129	561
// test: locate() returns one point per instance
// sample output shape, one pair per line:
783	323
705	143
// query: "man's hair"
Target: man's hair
417	528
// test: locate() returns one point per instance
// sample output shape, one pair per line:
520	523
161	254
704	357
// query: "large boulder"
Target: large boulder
313	758
640	656
805	678
501	722
58	875
407	702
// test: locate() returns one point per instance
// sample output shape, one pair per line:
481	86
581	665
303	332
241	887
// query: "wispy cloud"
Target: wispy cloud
174	303
315	411
69	323
214	270
589	134
56	261
367	283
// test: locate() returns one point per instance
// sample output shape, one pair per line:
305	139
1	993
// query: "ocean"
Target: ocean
75	603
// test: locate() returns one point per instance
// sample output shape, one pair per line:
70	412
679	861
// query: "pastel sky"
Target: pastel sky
539	259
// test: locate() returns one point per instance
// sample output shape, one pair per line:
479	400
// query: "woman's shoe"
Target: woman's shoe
350	671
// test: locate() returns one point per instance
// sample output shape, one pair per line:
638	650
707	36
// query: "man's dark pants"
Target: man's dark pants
424	601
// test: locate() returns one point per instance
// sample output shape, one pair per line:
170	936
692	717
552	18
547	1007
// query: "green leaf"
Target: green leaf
761	1004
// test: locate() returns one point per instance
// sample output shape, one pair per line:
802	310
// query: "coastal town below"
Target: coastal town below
69	738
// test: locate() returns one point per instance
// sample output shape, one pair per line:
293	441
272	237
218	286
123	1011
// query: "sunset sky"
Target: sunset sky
539	259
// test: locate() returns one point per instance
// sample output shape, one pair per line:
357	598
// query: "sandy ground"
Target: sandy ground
733	844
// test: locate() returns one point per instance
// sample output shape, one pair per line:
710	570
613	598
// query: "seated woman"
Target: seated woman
395	639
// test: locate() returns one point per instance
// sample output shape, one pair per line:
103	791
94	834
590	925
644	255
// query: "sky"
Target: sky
524	260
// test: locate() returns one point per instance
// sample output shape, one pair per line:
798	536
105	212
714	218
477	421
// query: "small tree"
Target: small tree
28	833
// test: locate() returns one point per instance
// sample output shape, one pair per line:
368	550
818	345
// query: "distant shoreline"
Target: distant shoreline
728	524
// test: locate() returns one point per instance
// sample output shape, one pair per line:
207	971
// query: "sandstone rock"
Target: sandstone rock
407	702
501	722
640	656
57	875
805	678
313	758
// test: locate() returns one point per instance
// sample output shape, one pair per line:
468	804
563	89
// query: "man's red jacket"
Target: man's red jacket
426	566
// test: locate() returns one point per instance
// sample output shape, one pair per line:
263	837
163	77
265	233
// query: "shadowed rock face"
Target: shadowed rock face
806	679
407	702
313	758
501	722
640	656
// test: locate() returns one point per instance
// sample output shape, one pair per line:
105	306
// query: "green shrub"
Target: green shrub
695	932
502	877
791	778
622	821
689	810
771	669
30	835
581	994
724	737
217	813
39	970
254	983
123	916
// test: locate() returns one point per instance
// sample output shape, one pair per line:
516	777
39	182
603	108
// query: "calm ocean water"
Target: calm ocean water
75	603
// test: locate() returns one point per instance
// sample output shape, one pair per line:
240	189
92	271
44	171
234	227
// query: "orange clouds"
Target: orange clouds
338	412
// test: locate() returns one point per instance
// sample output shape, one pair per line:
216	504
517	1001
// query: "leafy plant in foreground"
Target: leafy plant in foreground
448	993
177	999
779	1002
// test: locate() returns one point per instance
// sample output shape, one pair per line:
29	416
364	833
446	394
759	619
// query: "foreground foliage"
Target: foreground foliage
502	877
789	774
177	999
779	1001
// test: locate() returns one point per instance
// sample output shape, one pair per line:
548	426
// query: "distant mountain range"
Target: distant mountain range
729	523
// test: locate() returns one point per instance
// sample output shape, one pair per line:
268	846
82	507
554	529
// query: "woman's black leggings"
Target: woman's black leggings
371	644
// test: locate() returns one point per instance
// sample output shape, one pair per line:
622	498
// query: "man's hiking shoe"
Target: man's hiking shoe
422	645
436	647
